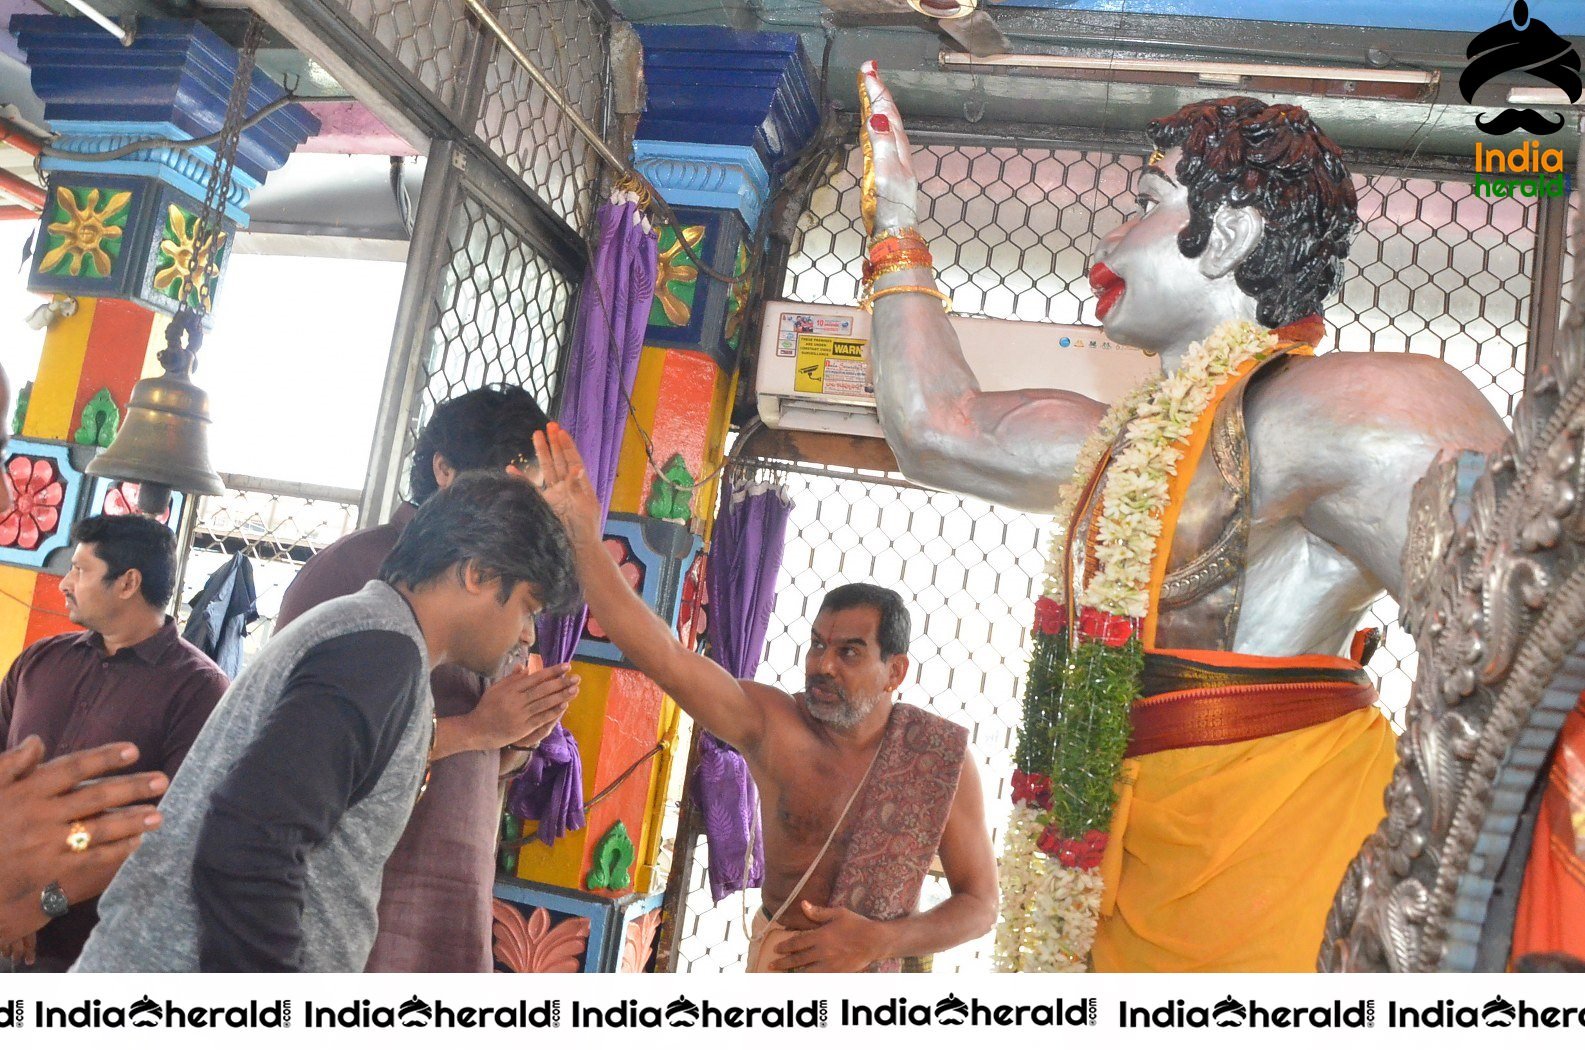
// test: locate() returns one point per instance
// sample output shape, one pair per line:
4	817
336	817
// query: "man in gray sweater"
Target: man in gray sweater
297	789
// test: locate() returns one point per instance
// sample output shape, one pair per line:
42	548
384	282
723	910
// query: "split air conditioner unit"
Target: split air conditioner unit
814	371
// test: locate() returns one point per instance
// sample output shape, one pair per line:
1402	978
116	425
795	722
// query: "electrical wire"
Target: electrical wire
167	143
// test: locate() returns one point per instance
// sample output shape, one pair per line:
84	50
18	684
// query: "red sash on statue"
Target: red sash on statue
1552	902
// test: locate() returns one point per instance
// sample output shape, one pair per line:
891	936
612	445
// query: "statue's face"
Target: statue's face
1151	297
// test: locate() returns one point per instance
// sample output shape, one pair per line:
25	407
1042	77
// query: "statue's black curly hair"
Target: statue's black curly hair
1242	152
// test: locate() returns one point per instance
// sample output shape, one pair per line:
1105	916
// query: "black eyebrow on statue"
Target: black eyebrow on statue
1160	174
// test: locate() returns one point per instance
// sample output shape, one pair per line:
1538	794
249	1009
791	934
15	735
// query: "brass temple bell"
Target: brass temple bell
163	442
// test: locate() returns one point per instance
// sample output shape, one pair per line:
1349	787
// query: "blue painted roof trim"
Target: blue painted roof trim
728	88
176	72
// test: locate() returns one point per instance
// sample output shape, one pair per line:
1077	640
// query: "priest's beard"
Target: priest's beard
844	711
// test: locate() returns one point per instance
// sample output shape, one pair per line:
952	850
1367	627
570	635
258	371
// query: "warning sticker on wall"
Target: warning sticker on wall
830	364
793	326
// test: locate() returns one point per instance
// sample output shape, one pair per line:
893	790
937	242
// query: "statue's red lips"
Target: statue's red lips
1108	288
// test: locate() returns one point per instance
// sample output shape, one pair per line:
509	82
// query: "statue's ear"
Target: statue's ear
1234	234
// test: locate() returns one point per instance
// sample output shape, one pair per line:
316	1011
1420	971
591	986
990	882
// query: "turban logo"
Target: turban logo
145	1013
951	1010
1527	45
682	1013
1499	1013
414	1013
1229	1013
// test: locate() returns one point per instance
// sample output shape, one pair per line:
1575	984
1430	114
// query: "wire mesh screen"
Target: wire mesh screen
444	52
431	39
278	529
1434	270
1011	230
501	314
517	120
1437	270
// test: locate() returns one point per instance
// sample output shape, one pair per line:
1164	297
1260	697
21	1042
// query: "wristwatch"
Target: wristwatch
53	902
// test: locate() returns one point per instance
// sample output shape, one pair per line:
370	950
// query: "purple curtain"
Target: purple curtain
607	339
745	559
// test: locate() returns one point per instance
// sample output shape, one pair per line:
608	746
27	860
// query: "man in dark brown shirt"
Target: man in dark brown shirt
435	898
128	677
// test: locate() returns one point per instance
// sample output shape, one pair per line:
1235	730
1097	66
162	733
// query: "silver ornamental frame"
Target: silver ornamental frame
1494	587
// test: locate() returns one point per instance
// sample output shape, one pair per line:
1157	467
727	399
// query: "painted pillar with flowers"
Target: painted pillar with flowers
727	114
114	249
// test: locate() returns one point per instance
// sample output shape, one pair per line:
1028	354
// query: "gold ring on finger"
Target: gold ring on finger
78	838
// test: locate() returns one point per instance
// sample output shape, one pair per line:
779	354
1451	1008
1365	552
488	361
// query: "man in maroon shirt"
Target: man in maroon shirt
128	677
45	808
435	898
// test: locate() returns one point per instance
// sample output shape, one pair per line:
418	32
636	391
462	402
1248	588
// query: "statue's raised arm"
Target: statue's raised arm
1013	447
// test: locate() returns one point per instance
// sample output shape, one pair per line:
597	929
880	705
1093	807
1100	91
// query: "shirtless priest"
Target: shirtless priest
841	885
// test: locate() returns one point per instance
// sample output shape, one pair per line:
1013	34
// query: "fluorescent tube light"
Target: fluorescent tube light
1538	96
103	22
1362	82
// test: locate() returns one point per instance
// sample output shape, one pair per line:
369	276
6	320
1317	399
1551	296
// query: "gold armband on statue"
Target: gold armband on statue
868	303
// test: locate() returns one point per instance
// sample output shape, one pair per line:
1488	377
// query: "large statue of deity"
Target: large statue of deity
1201	755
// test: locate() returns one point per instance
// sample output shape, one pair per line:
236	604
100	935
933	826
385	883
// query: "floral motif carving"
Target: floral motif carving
86	231
532	943
632	571
189	259
121	498
37	493
613	856
638	942
676	276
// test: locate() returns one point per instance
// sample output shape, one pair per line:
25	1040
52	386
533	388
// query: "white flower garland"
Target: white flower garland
1084	466
1050	912
1048	923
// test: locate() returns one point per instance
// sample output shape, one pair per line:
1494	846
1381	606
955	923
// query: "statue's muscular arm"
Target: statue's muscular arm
1014	447
1339	441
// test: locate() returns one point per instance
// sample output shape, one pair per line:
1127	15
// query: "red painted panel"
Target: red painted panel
684	408
49	611
632	723
118	343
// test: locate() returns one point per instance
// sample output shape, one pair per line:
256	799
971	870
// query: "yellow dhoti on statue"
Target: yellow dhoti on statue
1231	853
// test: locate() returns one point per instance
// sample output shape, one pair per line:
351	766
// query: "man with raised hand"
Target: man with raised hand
857	793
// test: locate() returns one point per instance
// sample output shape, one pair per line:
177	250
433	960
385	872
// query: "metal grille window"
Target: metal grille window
479	90
1437	270
518	122
1434	270
499	239
502	312
278	525
431	39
